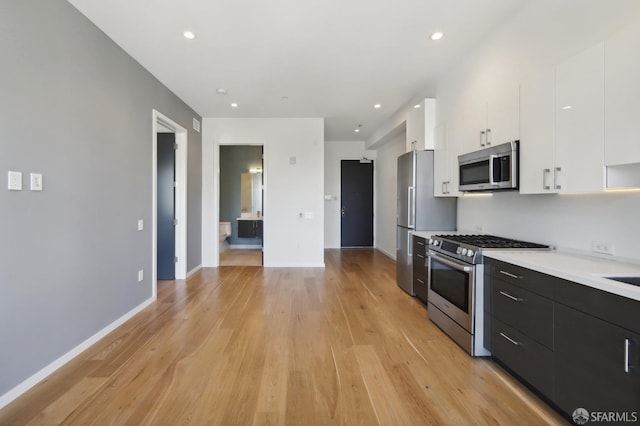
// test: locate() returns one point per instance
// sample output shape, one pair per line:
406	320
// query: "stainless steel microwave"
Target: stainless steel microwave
490	169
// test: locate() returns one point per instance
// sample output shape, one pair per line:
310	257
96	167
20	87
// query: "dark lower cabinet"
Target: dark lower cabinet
597	364
249	229
577	346
420	268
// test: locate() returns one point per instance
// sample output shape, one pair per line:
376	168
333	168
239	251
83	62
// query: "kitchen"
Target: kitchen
511	62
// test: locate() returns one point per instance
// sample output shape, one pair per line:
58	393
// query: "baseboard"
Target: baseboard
193	271
282	265
46	371
245	247
389	255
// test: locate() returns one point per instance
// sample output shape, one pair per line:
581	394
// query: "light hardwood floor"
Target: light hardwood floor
244	257
299	346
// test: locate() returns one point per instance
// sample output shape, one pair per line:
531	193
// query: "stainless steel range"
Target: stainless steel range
455	275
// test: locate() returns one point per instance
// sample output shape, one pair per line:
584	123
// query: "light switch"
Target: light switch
36	181
140	275
15	181
140	225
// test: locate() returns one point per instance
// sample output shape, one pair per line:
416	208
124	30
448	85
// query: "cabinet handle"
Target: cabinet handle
488	140
420	243
446	186
555	177
517	277
545	173
507	295
482	133
444	191
420	256
626	355
419	280
510	339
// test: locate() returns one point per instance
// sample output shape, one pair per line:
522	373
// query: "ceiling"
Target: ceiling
299	58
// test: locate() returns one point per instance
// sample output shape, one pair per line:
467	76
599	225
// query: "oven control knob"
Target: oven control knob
430	240
465	251
436	242
459	250
470	253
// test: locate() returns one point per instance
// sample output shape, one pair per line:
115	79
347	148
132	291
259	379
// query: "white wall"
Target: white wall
290	189
334	153
386	171
542	34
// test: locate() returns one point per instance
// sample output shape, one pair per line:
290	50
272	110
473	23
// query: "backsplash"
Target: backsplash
573	222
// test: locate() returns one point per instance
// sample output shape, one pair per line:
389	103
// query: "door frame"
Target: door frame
216	167
180	197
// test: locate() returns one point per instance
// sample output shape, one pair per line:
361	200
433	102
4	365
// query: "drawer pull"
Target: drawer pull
420	256
510	339
420	281
420	243
626	356
511	275
507	295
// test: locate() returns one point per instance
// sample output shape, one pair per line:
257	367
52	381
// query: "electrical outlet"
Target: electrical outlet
140	275
36	181
140	224
15	181
602	247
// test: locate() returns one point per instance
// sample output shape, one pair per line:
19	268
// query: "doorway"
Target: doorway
356	195
241	205
163	124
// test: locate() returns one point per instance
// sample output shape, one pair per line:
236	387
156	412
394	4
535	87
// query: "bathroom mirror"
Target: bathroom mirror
251	194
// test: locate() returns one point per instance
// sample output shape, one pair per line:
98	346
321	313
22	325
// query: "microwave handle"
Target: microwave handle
492	158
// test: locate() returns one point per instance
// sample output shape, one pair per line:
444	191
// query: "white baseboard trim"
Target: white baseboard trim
389	255
193	271
46	371
245	247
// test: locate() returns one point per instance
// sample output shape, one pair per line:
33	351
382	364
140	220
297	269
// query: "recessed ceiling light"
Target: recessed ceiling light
437	35
221	91
377	106
416	106
357	130
189	34
567	107
234	105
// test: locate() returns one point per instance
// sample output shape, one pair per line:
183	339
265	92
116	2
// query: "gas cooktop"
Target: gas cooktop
468	248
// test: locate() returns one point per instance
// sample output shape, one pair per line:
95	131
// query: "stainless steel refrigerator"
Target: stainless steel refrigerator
418	210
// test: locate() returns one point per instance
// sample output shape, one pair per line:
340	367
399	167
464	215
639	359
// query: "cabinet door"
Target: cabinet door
596	364
503	117
469	128
622	92
443	171
536	134
579	114
246	229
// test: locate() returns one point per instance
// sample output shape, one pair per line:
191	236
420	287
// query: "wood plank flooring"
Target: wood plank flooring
241	257
242	345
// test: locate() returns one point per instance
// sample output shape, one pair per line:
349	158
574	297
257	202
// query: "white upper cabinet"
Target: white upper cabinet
445	164
622	97
420	123
537	166
491	122
579	122
503	117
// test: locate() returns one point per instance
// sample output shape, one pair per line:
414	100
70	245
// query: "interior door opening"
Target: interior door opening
241	205
163	124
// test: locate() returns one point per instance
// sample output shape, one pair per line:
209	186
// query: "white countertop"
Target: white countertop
583	269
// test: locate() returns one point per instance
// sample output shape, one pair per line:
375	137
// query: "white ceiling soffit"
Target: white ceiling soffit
298	58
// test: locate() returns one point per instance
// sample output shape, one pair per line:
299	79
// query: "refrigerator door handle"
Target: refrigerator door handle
411	203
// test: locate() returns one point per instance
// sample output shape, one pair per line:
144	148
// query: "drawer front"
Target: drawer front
525	311
420	288
533	281
528	359
419	246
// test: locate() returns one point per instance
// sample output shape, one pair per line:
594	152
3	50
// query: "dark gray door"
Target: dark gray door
356	194
166	206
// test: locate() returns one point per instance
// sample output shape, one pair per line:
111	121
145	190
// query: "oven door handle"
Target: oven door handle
455	265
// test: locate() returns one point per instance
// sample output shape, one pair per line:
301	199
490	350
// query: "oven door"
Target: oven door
451	288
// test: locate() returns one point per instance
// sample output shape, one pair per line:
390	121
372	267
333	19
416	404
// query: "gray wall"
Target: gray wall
78	109
234	160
